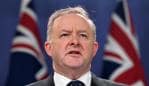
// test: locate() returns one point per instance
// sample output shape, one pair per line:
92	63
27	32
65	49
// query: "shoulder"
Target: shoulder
103	82
44	82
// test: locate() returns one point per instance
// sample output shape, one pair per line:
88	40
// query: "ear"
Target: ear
48	48
95	48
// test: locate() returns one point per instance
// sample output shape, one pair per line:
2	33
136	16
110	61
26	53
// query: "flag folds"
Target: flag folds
121	56
26	60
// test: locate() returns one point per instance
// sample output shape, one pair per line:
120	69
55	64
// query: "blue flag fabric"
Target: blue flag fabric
122	62
26	60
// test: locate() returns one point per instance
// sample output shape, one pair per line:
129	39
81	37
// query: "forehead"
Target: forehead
71	20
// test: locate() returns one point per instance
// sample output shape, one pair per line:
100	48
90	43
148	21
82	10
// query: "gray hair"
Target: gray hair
75	10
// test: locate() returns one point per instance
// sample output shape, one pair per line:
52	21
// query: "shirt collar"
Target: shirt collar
61	80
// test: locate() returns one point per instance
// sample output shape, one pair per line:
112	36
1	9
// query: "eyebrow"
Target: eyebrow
83	31
68	30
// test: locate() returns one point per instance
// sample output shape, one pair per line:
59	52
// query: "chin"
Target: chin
74	66
73	63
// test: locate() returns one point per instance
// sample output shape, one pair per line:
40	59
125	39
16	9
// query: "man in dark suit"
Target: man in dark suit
71	43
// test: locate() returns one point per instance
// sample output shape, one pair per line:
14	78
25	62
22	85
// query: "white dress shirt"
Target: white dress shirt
61	80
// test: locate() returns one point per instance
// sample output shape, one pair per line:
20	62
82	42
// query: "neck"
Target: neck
72	73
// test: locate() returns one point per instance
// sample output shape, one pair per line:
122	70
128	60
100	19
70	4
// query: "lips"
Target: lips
74	52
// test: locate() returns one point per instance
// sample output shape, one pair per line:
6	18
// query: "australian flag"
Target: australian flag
26	60
122	62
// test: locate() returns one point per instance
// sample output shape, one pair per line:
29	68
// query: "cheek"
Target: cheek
88	49
88	54
57	54
58	49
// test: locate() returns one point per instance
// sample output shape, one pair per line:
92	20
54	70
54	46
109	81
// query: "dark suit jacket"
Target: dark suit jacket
95	82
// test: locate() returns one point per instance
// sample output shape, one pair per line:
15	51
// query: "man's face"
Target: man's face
72	42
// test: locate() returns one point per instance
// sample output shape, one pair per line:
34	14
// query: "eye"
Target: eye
84	35
64	34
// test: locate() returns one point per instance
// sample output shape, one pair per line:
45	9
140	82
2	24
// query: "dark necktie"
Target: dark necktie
75	83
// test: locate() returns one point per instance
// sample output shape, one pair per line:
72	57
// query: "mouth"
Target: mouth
74	53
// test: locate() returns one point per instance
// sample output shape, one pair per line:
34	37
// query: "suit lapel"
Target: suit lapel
50	81
96	81
93	80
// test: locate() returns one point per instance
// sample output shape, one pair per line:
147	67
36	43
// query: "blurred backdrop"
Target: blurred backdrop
100	12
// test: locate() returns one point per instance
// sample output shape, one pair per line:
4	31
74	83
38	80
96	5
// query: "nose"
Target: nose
74	40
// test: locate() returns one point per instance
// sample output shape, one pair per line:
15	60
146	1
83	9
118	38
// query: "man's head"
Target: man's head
71	39
75	10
